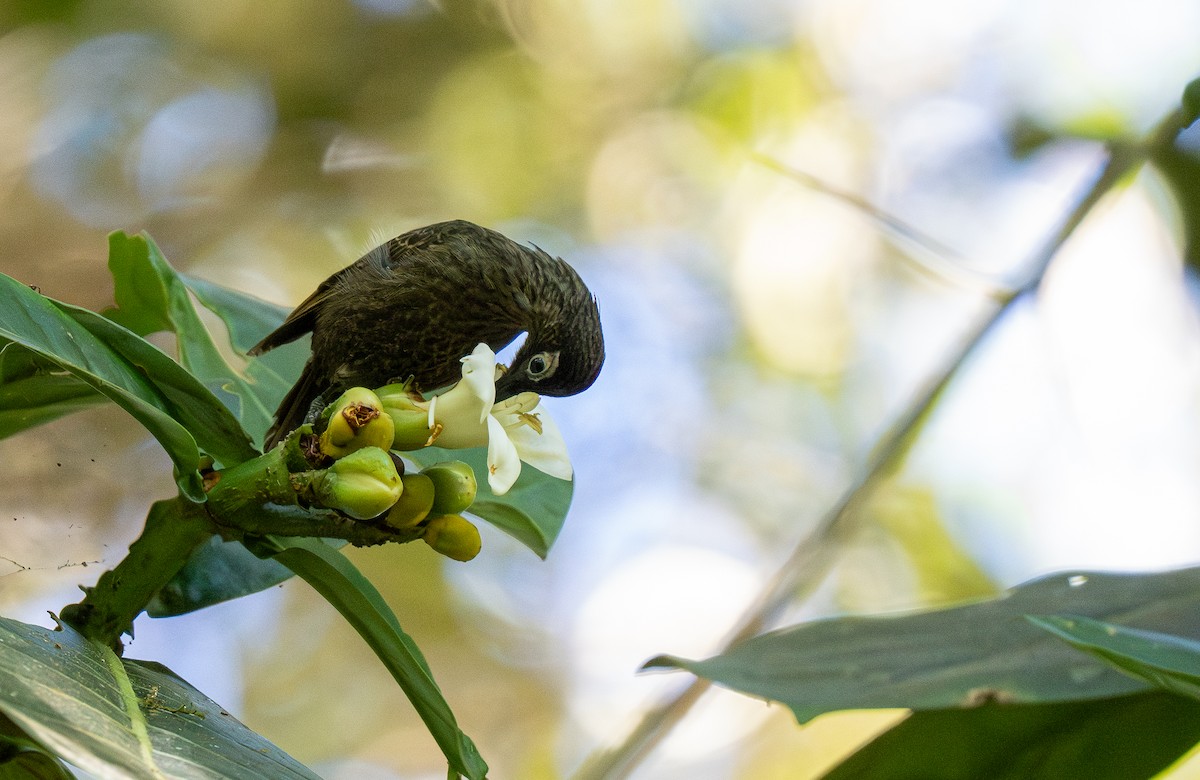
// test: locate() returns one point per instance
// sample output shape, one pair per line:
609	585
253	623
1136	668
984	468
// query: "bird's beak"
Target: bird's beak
505	383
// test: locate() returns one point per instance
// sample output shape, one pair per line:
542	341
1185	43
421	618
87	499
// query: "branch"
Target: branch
245	503
810	561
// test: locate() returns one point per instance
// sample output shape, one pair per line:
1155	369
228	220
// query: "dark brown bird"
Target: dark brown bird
417	304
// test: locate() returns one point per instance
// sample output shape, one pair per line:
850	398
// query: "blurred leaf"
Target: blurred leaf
343	586
21	758
152	297
59	689
1167	661
53	332
945	571
1191	102
508	154
957	657
1180	168
751	94
532	511
217	571
1108	739
1027	136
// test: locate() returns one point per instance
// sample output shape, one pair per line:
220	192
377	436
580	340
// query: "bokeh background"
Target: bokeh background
762	333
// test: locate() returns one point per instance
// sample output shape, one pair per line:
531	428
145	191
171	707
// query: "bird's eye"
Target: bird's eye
542	365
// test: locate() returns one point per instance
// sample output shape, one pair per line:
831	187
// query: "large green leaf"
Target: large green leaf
955	657
121	718
212	425
248	319
532	511
343	586
35	390
1167	661
1123	738
48	329
151	296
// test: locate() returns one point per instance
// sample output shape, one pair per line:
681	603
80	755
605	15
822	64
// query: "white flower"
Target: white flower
514	430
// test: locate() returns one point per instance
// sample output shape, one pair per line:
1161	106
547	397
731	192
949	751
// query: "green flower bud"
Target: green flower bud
414	504
454	486
355	421
363	484
410	420
453	536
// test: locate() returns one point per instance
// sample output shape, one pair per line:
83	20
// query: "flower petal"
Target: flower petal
479	374
504	465
545	451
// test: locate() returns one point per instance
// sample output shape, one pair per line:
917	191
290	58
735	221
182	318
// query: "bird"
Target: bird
415	305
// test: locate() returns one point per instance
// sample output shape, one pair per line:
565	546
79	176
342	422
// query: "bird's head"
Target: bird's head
561	356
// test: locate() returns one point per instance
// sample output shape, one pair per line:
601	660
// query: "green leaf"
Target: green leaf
60	690
151	296
44	327
34	390
216	572
532	511
212	425
343	586
21	758
1108	739
247	320
955	657
1180	168
1191	102
1164	660
41	398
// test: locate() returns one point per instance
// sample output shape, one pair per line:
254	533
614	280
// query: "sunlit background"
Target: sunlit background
761	333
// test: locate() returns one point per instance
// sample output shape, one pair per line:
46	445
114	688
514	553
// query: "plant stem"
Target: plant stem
810	561
245	502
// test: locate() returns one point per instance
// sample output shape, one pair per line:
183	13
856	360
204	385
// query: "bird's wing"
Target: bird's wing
304	317
299	322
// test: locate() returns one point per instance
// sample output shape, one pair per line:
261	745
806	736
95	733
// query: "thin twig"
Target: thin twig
937	259
810	561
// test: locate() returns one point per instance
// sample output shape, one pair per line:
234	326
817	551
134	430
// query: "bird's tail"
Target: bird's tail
294	407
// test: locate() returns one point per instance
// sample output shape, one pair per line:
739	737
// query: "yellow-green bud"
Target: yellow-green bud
454	486
356	420
410	421
363	484
414	504
453	536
